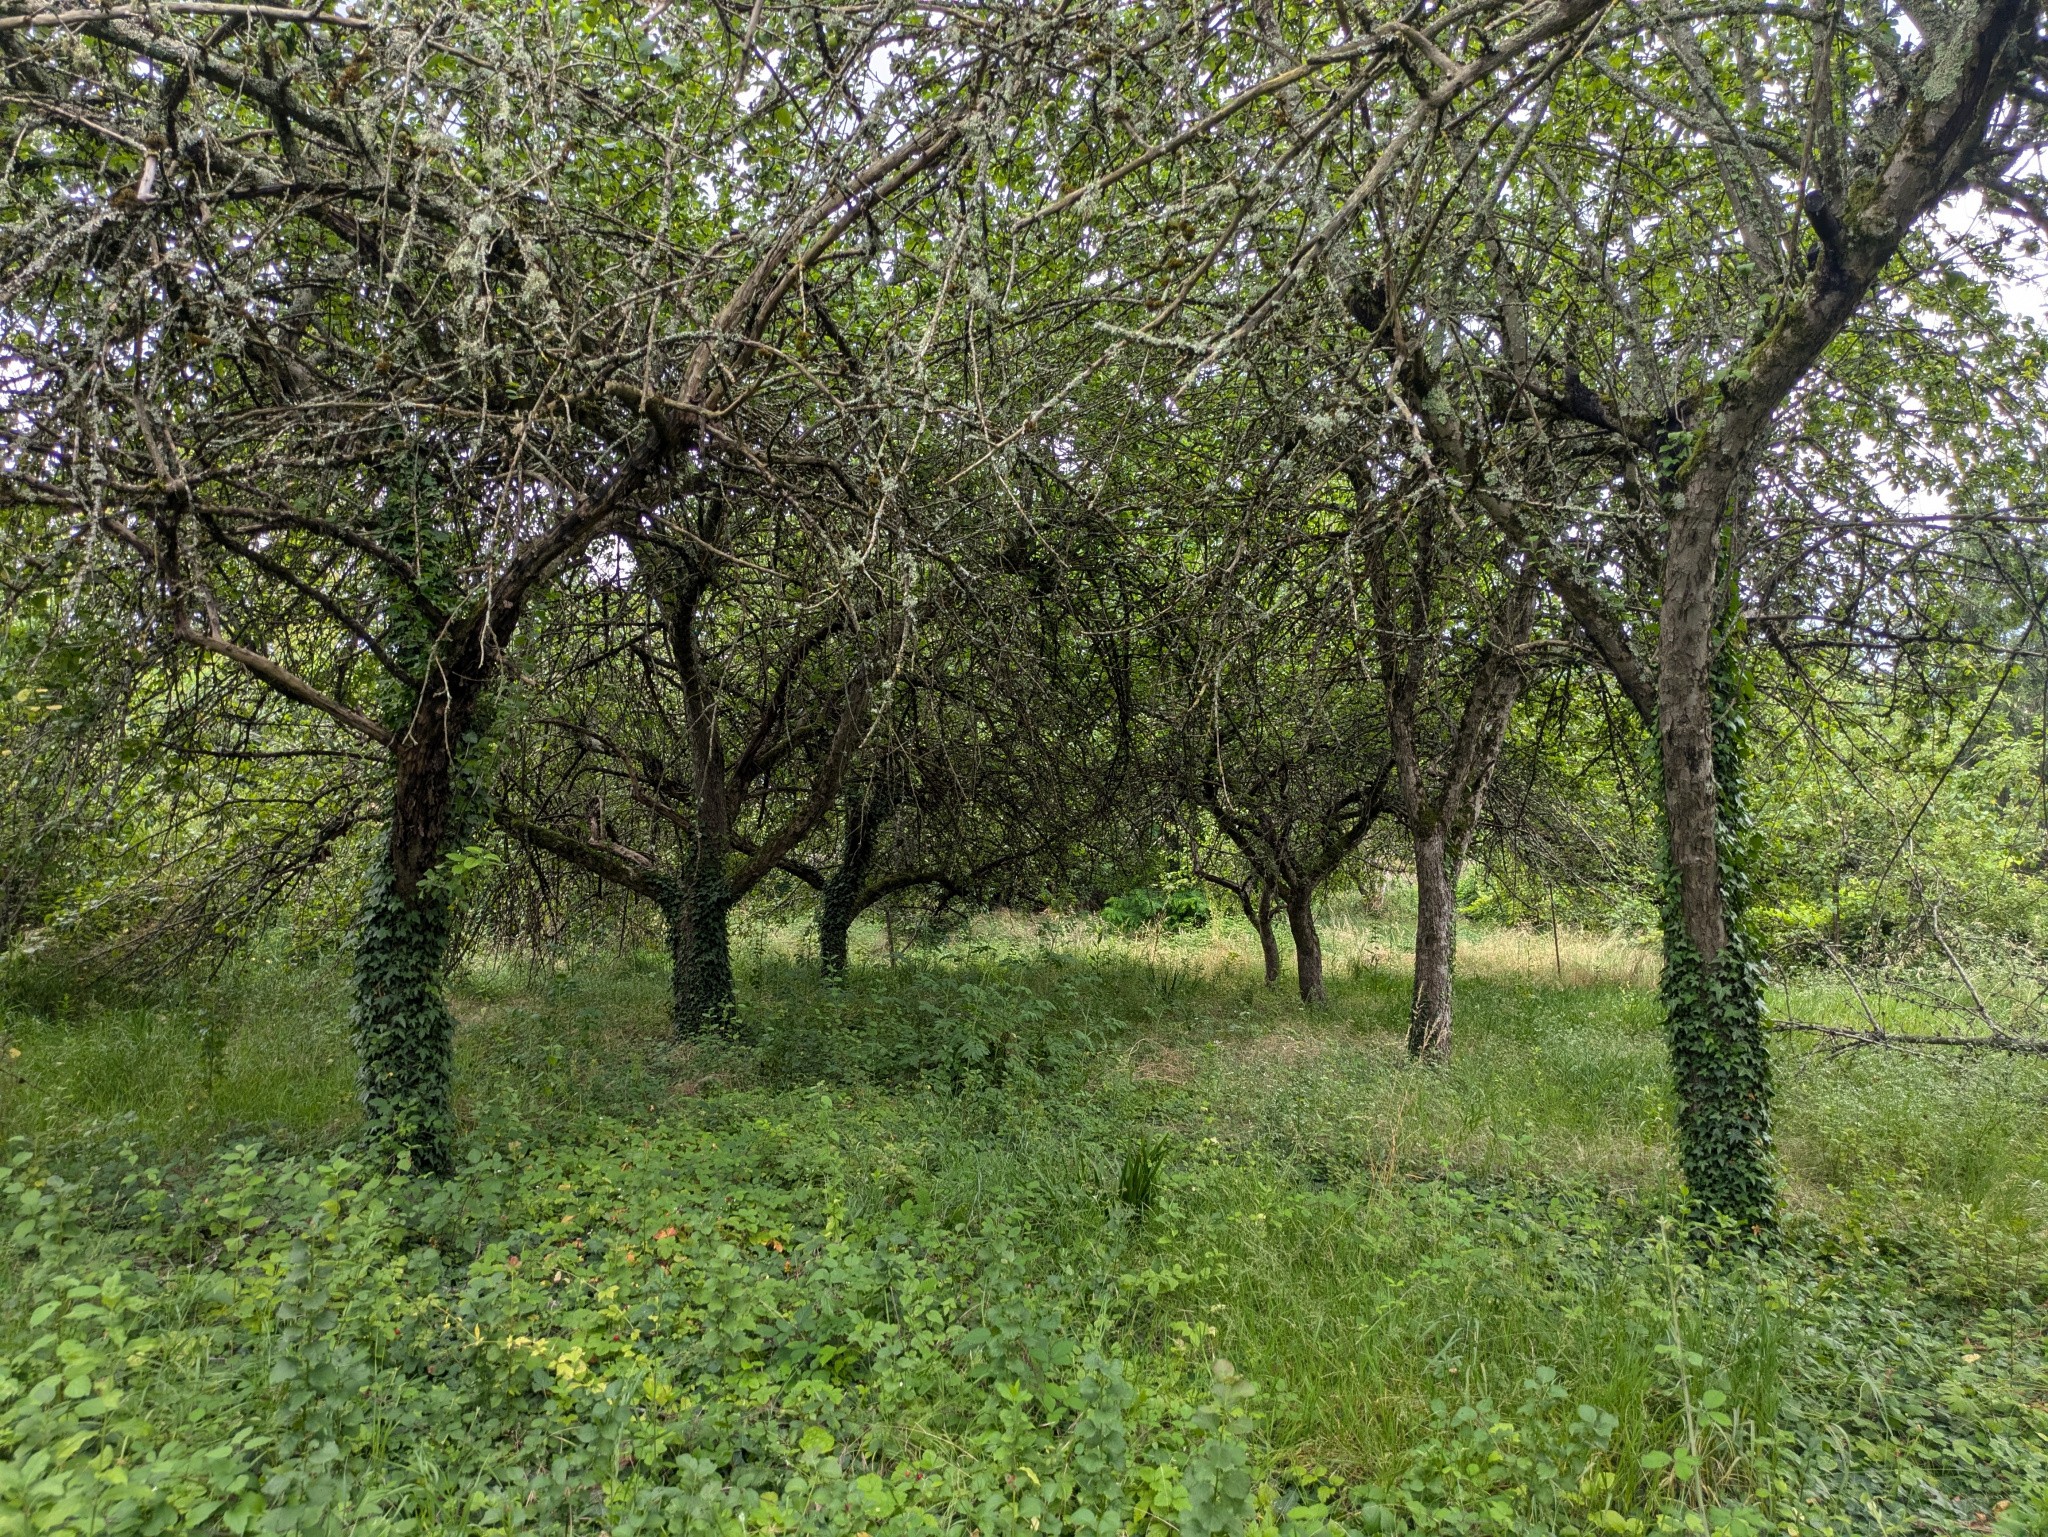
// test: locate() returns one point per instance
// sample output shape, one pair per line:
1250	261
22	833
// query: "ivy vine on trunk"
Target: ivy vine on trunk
696	915
1713	1007
402	1030
839	894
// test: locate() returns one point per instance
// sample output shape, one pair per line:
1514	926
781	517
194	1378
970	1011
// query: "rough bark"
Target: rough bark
1308	945
1693	600
1436	946
1269	944
1441	804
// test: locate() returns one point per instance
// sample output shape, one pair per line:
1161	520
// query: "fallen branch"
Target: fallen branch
2019	1045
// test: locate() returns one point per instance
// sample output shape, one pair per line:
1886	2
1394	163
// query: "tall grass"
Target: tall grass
1364	1238
1558	1069
180	1067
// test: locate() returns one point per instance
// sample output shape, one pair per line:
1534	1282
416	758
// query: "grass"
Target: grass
185	1067
1379	1249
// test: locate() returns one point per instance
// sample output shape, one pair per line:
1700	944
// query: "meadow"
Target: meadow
1038	1229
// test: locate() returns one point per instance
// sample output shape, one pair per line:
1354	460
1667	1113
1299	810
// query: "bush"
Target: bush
1173	911
941	1029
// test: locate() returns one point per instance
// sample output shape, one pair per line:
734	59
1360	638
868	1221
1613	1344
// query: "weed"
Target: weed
1171	911
1137	1180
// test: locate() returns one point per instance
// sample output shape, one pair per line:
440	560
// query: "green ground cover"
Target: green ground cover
1040	1233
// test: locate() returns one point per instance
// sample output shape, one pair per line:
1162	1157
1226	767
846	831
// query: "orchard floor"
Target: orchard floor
891	1265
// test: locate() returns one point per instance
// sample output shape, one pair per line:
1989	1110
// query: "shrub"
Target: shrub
1173	911
941	1029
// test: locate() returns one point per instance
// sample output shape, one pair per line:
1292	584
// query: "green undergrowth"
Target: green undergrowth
1018	1244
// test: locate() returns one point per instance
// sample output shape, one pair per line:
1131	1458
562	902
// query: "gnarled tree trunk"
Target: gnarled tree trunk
1284	871
1258	913
1436	947
839	898
1308	945
1441	819
1269	944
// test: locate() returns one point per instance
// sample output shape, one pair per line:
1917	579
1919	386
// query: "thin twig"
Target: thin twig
1934	923
1850	977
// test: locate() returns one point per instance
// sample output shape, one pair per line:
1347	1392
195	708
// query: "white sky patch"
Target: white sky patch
611	558
881	72
2024	292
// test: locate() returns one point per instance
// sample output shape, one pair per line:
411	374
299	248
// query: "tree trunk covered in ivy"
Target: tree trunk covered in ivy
836	905
403	1034
402	1030
705	1002
446	660
696	910
1713	996
1436	946
1712	986
1713	999
839	897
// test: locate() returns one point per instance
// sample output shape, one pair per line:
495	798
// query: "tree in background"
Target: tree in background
358	328
898	412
